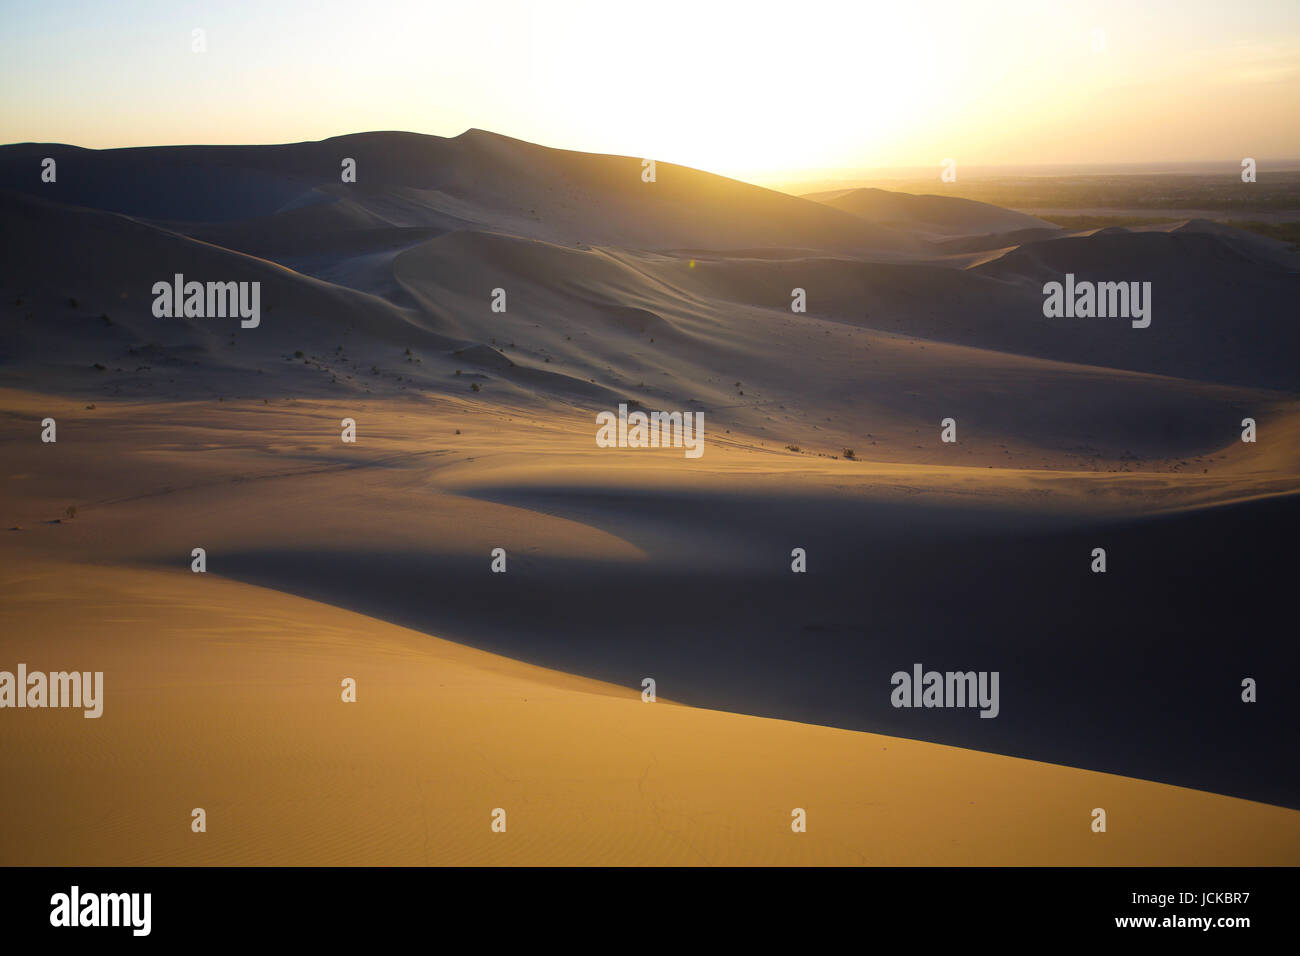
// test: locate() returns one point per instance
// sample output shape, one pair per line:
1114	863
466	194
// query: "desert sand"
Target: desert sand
225	696
475	431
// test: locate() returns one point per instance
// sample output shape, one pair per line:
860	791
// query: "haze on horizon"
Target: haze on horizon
764	91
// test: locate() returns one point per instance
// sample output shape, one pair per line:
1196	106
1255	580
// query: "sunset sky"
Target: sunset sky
754	90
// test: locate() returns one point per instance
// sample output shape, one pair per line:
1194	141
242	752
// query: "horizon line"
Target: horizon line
812	175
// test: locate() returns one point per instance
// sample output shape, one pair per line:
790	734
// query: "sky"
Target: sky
755	90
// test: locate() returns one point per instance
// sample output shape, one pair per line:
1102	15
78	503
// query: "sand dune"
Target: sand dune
909	562
1200	276
960	245
938	216
412	180
237	710
475	431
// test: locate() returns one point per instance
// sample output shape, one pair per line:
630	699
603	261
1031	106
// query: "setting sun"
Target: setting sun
764	91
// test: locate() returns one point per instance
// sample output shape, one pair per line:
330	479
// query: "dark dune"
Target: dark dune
1137	671
421	180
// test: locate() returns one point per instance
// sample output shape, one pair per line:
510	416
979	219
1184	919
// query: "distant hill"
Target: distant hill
946	215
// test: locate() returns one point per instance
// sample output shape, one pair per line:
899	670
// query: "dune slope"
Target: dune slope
237	711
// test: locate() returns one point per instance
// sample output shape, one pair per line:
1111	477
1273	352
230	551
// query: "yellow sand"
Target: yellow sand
227	697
